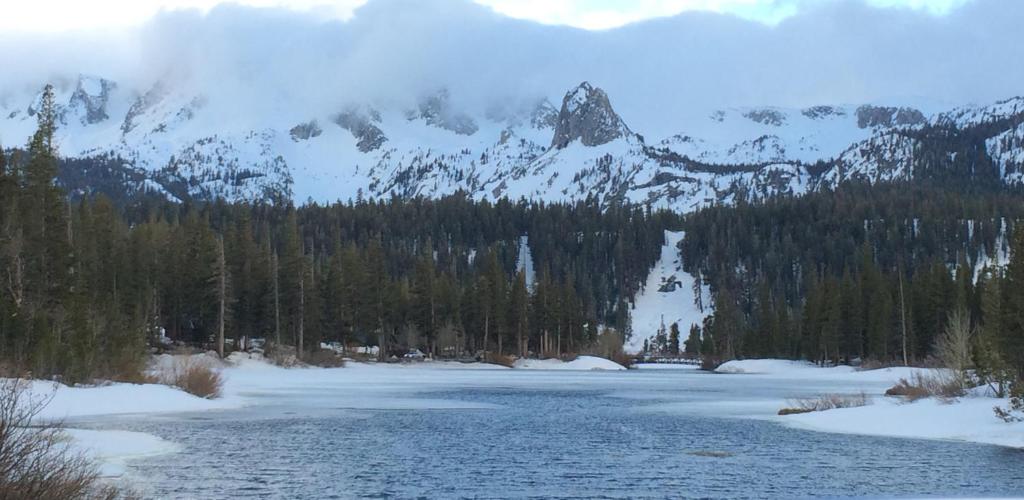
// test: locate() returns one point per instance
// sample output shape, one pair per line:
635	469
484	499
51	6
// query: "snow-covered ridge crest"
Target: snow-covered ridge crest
179	142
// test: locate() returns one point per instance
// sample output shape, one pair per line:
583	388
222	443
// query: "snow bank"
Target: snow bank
781	368
580	363
764	366
112	399
968	419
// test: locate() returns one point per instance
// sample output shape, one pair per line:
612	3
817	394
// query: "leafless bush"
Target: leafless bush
622	358
194	377
608	345
325	358
877	364
35	460
710	363
1014	412
282	355
793	411
953	348
503	360
942	383
825	402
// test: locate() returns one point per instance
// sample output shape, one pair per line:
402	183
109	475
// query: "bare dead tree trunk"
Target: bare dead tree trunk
903	318
222	288
487	329
302	312
519	340
277	300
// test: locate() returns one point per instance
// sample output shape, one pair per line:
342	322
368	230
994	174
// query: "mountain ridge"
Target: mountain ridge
177	147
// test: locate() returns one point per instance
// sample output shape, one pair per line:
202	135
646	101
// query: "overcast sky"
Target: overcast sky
63	15
675	57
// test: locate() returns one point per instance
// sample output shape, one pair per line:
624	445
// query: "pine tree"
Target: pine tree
673	339
692	345
519	304
1011	341
992	368
46	251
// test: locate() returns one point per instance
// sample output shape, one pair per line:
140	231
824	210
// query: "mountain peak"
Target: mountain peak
587	115
436	110
869	116
89	101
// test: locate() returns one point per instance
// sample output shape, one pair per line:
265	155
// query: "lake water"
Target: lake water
517	434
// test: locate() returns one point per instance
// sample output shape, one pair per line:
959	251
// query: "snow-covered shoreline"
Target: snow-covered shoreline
967	419
401	386
243	377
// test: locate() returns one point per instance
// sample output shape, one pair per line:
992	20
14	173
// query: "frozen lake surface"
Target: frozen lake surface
447	433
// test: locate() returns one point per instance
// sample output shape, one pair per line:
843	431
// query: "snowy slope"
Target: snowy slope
668	297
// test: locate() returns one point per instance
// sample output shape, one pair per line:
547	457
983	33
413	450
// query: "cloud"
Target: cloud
657	72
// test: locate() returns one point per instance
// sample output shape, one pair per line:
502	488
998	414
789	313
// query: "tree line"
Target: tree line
88	284
863	272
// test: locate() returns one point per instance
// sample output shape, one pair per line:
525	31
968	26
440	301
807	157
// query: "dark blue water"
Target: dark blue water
547	444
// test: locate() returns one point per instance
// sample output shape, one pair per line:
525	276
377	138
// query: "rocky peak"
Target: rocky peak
142	105
306	131
587	115
362	124
436	110
766	116
89	100
822	112
884	116
544	115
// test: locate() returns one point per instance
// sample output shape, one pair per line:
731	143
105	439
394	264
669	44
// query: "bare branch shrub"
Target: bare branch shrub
503	360
325	358
953	348
608	345
826	402
1014	412
944	384
194	377
710	362
35	459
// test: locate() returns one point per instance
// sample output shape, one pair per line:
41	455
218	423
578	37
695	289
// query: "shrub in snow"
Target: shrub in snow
1015	411
35	460
710	363
193	376
941	383
826	402
953	349
498	359
325	358
282	355
608	345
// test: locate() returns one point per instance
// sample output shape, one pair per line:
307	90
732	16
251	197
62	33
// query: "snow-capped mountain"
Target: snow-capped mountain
180	145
